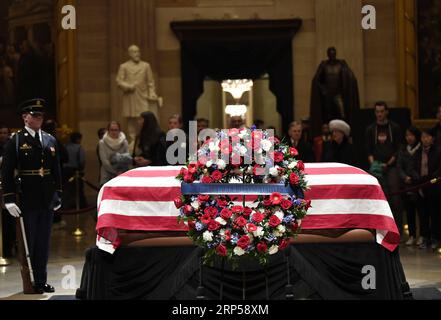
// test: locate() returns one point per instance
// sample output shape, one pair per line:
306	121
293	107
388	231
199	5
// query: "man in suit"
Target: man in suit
32	187
295	140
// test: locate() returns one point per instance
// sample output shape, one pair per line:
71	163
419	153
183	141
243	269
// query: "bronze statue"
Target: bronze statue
334	92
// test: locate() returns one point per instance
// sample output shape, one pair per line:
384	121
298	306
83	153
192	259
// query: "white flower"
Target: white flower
279	214
243	133
195	204
273	249
214	146
221	164
281	228
259	232
274	171
207	236
243	150
249	169
221	221
209	163
292	164
238	251
266	144
277	234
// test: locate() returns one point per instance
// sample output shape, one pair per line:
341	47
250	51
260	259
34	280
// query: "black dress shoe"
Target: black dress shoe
44	288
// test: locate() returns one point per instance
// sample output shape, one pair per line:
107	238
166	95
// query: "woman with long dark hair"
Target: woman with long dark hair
150	147
405	160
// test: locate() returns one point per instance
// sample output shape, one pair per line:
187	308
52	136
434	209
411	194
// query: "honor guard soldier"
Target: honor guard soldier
31	180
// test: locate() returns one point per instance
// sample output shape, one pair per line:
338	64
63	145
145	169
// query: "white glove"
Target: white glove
13	209
57	207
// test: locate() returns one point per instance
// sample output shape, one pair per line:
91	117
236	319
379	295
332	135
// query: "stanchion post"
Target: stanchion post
78	232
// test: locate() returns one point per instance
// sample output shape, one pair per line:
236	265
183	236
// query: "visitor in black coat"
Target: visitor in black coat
339	149
426	167
150	146
405	161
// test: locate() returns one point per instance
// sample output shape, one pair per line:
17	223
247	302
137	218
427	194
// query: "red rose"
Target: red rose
307	204
178	202
258	170
278	156
226	148
225	214
217	175
251	227
188	178
191	224
192	167
183	172
202	160
221	250
293	152
293	178
274	221
211	211
274	139
254	144
262	247
187	209
206	179
243	242
247	211
237	209
257	217
286	204
227	235
294	226
222	202
275	198
267	202
240	222
300	165
203	197
283	244
257	134
213	225
206	218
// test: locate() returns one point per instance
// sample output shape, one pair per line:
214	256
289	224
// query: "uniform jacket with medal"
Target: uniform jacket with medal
38	168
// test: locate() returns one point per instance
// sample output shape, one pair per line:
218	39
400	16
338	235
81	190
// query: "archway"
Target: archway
237	49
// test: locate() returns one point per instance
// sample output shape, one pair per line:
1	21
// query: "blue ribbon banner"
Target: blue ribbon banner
238	189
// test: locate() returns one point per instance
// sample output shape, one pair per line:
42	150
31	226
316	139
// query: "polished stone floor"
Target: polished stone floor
422	267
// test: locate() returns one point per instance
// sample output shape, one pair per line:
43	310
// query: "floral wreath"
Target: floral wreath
230	229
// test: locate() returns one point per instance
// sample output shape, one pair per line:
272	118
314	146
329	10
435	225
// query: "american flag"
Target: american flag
342	197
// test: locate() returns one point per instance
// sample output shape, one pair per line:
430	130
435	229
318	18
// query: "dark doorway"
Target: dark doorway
237	49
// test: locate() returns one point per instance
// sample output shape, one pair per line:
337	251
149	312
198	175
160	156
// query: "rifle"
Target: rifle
27	272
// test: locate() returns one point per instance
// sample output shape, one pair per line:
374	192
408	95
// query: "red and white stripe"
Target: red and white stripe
341	196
